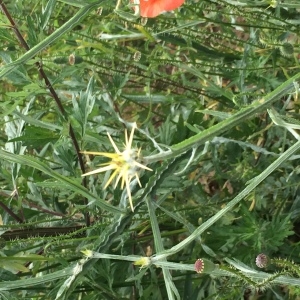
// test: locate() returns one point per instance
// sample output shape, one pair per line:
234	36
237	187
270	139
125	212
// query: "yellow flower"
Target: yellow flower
125	164
143	262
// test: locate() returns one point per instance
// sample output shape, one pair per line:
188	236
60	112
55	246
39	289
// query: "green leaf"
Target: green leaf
36	137
46	13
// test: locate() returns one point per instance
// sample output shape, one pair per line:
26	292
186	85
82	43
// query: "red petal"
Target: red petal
152	8
172	4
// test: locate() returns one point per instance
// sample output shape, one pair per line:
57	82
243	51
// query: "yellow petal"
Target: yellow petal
112	176
113	144
129	142
118	179
129	193
105	154
103	169
142	166
138	180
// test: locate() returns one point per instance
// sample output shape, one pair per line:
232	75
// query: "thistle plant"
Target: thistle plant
214	85
125	165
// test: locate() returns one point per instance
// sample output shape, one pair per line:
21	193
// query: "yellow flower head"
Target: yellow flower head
125	164
143	262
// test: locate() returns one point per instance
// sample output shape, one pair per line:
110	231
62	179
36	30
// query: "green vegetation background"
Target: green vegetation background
225	183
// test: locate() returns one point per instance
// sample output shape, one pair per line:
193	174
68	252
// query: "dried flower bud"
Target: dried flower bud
262	260
137	56
72	59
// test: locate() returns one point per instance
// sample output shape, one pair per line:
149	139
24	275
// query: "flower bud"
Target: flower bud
262	260
204	266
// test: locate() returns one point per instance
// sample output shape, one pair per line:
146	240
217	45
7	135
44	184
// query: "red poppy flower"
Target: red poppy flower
152	8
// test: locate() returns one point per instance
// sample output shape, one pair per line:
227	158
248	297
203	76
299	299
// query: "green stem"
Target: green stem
245	113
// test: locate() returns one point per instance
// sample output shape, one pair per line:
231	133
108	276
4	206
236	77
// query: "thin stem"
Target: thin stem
11	213
54	96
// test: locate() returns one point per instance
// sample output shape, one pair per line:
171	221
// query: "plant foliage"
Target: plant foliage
213	88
